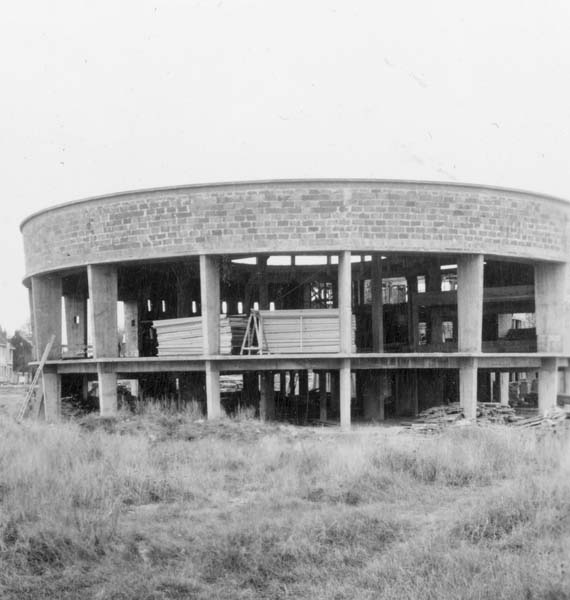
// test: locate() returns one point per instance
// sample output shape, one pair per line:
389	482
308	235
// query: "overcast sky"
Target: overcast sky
105	96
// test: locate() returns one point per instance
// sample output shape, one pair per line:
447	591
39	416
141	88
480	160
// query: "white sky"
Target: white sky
105	96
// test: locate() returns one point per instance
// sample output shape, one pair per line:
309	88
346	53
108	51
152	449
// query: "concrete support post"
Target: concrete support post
103	294
262	282
345	394
52	398
504	390
267	397
566	378
468	389
547	385
470	302
323	395
131	327
345	317
46	314
210	298
107	391
76	325
345	301
549	294
213	404
377	305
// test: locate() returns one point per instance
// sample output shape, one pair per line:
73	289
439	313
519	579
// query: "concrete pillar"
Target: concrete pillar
377	305
323	395
76	325
46	314
131	327
345	314
413	314
262	282
344	301
345	393
547	385
549	294
267	397
52	395
210	298
107	380
470	302
468	388
566	379
213	404
504	395
103	294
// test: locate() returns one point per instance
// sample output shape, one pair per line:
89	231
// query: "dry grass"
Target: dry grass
166	506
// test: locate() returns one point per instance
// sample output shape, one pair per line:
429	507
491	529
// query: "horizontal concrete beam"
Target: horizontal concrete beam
126	366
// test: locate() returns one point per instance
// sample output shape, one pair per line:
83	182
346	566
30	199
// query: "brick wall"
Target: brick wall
297	217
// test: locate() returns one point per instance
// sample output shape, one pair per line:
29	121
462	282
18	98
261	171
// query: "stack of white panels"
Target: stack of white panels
303	331
182	337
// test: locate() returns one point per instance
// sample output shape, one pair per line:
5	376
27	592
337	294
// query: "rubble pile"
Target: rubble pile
553	419
437	417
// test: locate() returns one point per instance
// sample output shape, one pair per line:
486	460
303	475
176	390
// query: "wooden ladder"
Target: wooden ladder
32	389
254	341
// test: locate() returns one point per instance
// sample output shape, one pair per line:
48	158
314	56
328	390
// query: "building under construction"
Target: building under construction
371	297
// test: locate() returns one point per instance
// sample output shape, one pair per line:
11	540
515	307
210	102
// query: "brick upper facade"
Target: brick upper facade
297	216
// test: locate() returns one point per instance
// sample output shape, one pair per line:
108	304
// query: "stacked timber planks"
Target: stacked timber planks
183	337
303	331
238	324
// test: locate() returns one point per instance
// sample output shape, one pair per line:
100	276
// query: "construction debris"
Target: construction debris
553	419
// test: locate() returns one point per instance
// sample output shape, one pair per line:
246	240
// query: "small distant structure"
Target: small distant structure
6	358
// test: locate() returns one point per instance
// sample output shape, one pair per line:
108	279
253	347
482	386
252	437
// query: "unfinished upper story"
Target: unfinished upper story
423	276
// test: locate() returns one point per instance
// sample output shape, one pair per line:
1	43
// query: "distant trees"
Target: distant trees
22	352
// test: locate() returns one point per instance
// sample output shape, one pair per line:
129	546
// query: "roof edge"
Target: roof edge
258	182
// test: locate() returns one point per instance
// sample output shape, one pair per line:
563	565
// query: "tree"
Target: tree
22	352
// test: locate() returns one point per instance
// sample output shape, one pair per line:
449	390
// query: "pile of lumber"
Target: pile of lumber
183	337
238	324
553	418
437	417
305	330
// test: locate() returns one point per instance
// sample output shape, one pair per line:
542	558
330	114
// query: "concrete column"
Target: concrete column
377	305
547	385
46	314
566	379
210	297
470	302
345	312
323	395
413	315
213	404
504	377
102	281
345	393
549	294
262	282
344	301
131	327
107	380
267	397
468	388
52	395
103	294
76	325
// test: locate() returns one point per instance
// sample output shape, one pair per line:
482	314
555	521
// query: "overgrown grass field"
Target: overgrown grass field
161	506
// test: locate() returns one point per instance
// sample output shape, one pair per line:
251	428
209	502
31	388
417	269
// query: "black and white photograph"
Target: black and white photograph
285	300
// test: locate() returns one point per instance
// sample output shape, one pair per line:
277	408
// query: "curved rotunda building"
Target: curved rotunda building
369	298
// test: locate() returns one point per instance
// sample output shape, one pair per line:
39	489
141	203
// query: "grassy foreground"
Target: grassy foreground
154	507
